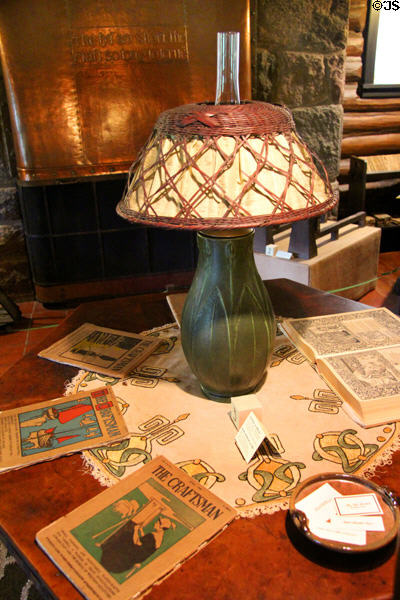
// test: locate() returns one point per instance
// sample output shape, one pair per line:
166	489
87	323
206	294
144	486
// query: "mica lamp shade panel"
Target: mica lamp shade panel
190	176
86	80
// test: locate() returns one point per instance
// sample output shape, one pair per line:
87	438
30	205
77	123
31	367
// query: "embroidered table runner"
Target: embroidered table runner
167	414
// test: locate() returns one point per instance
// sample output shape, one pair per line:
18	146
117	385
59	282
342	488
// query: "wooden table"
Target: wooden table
252	559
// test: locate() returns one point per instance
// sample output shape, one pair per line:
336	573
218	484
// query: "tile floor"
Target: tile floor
19	338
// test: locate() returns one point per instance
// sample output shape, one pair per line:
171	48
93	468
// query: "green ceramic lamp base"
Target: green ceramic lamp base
228	325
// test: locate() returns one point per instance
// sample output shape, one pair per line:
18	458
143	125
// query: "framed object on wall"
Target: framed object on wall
381	69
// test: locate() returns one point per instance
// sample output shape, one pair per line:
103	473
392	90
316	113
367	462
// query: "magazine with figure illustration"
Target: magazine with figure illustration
118	544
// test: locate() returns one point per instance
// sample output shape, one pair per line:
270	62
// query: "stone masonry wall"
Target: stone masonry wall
299	62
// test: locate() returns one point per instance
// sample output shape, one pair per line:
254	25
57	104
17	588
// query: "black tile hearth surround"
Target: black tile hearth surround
74	235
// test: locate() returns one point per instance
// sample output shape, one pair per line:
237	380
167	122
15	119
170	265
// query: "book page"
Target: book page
102	350
344	332
368	382
369	374
133	534
46	430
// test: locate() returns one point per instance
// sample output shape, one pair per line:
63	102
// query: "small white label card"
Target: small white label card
251	436
367	523
318	506
283	254
343	535
271	249
358	504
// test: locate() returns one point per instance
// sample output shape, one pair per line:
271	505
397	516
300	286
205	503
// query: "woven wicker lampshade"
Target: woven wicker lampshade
225	166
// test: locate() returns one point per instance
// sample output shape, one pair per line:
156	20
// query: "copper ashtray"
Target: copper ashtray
346	485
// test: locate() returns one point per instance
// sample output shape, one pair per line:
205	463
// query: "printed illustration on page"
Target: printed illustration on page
136	529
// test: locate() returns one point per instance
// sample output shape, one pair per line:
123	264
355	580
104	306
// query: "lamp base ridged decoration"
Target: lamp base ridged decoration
228	324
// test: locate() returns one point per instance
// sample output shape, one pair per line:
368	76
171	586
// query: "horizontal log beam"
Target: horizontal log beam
344	167
362	145
352	102
353	68
372	185
358	17
355	122
355	43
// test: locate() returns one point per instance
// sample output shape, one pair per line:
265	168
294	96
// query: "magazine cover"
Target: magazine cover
133	534
43	431
103	350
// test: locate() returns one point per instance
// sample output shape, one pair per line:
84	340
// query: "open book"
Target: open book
358	355
133	534
100	349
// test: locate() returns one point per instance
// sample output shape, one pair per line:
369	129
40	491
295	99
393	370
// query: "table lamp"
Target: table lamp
224	169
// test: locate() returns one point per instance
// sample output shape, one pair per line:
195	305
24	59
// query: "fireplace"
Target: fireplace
76	245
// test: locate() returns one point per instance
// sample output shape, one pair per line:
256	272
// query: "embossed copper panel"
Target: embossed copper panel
86	79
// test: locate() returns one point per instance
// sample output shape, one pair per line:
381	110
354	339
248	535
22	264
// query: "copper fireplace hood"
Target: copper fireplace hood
86	80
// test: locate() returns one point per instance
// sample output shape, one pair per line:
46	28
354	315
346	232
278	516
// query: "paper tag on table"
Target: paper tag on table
251	436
